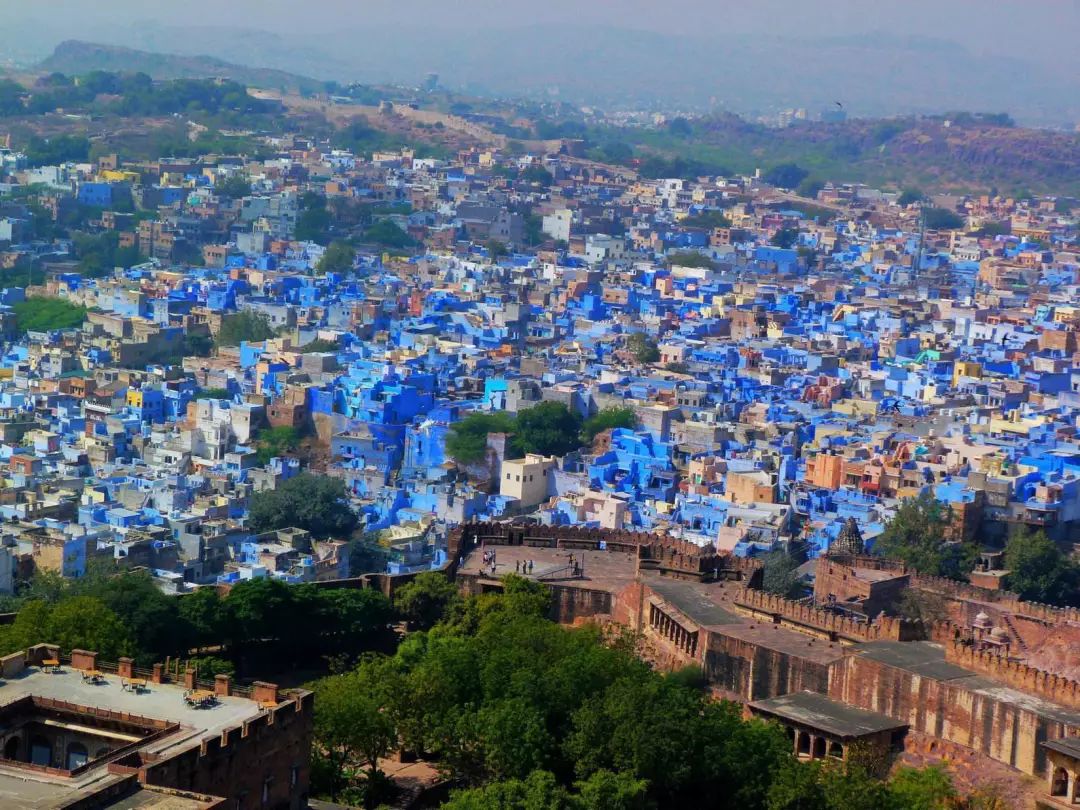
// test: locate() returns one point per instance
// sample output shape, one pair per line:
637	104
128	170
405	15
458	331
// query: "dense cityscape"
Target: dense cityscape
372	446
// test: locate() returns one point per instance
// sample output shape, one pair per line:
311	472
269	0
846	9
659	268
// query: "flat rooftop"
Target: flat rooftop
26	788
820	712
601	570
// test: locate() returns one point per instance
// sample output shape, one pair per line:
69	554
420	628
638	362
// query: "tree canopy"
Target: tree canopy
424	600
942	219
1040	572
785	238
643	347
466	442
785	175
706	219
312	502
337	258
916	535
780	575
276	441
245	326
525	714
46	314
608	419
550	429
233	187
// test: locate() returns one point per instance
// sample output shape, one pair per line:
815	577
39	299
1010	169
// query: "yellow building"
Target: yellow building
526	479
964	368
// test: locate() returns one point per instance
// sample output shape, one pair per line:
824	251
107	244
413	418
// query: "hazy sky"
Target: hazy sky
750	56
1037	29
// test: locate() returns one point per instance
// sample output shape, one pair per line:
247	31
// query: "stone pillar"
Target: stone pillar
189	678
263	692
125	667
222	685
156	674
83	659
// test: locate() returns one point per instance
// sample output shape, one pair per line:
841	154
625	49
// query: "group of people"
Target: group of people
523	566
520	566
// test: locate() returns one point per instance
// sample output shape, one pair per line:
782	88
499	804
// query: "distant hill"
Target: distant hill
963	152
75	57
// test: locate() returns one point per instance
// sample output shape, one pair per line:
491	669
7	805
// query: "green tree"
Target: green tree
358	719
539	791
207	666
916	535
537	175
205	618
550	429
496	249
643	347
785	175
466	442
1040	572
707	220
233	187
910	196
386	233
810	187
785	238
320	345
259	609
608	419
276	441
338	257
780	575
85	623
604	790
798	786
426	599
147	614
315	503
942	219
213	393
245	326
46	314
927	788
57	149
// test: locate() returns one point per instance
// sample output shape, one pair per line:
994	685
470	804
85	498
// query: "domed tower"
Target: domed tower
849	541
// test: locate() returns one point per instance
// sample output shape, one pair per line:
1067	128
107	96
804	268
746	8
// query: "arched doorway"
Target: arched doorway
77	755
1059	785
803	749
11	749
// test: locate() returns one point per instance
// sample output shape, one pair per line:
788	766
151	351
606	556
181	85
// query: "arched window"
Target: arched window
77	756
819	748
804	744
836	750
1059	786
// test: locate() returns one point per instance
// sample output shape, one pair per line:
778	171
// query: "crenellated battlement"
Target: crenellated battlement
835	625
1018	675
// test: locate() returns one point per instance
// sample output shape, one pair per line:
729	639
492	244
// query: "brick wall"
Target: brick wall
994	724
240	762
